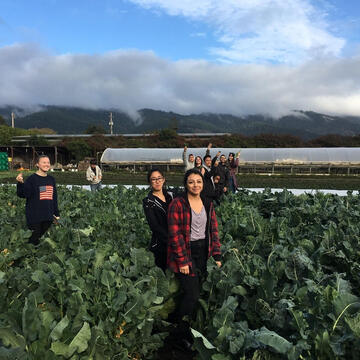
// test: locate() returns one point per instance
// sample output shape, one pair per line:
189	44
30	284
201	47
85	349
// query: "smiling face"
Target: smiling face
43	164
208	161
194	184
223	159
191	158
231	157
156	181
198	161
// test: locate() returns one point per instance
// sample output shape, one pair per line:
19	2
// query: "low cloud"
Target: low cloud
131	80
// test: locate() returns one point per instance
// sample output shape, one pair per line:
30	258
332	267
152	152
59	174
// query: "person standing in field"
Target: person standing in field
199	165
155	207
193	238
189	161
209	167
94	175
39	190
223	170
233	164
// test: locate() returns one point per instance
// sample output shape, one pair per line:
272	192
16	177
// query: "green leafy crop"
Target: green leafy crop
288	287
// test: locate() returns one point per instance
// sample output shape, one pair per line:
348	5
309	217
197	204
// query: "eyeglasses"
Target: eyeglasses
159	179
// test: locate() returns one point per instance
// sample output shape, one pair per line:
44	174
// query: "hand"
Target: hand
209	146
20	178
202	171
185	270
225	189
218	263
238	154
185	148
56	219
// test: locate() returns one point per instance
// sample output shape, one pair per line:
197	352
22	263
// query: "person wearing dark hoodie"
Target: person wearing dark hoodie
214	191
155	207
193	238
223	170
39	190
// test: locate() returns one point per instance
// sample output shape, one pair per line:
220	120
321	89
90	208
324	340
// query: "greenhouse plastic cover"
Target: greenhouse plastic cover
247	155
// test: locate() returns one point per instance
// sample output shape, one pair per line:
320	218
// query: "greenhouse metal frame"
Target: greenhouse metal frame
252	160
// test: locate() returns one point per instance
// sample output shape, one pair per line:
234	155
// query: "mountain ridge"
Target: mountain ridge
73	120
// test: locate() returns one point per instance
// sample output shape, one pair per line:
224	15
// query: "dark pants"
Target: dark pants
38	230
191	285
160	255
232	184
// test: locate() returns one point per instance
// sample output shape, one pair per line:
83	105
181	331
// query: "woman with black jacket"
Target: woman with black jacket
156	207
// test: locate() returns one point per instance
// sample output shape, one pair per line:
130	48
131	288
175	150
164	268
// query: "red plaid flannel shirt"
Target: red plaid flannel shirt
179	225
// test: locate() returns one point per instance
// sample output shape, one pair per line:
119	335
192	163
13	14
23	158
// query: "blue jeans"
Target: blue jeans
95	187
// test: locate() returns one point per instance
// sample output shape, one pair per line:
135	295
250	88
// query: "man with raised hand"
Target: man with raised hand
189	161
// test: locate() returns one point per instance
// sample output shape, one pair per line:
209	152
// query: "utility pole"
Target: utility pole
111	123
12	119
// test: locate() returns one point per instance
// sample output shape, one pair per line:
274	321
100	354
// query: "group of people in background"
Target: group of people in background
219	173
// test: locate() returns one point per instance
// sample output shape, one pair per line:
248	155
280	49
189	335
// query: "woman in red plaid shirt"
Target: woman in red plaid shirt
193	238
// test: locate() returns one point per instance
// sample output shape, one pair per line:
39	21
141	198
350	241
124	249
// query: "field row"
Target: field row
175	179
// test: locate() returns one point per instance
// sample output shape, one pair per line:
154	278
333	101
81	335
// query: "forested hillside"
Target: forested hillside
69	120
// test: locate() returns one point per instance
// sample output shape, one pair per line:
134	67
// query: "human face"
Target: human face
194	184
208	161
156	181
230	157
191	158
222	159
198	161
44	164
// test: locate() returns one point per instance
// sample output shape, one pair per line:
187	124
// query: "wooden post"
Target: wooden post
12	158
56	155
33	157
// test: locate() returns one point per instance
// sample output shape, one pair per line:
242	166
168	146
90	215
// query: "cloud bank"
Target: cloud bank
131	80
281	31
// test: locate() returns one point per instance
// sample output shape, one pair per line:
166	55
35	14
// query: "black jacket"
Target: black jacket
156	215
212	191
224	175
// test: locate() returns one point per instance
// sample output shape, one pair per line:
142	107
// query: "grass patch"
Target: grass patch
335	182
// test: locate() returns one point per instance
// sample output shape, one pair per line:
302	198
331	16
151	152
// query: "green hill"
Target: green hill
71	120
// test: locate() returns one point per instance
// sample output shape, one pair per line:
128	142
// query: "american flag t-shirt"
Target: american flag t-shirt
46	192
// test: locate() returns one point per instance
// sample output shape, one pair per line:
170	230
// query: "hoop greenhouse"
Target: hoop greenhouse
345	156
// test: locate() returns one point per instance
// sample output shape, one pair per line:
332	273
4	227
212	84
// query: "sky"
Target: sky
188	56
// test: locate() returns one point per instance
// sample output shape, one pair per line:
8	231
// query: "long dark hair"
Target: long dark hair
232	162
151	171
190	172
201	161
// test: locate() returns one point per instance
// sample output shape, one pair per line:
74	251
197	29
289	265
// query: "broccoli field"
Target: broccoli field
289	287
